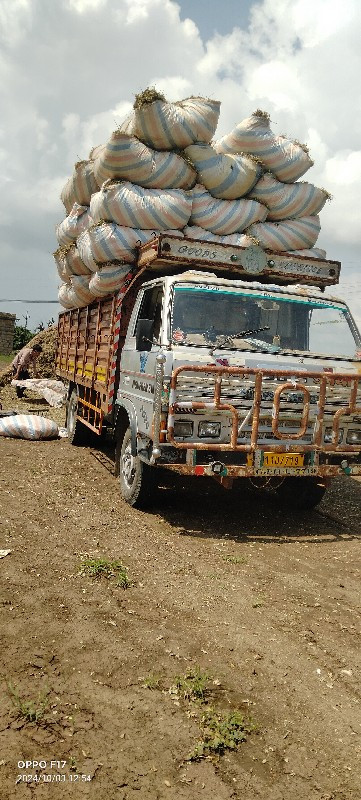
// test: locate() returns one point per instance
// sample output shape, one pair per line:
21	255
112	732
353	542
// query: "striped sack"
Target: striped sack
69	263
66	296
80	286
314	252
108	279
288	200
59	259
73	263
287	160
224	176
28	426
224	216
292	234
135	207
127	158
75	223
238	239
167	126
111	242
80	187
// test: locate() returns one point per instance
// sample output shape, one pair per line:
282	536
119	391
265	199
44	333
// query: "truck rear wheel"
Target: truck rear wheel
136	479
302	493
78	434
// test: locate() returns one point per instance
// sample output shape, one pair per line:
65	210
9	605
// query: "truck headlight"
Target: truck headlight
354	436
183	428
209	430
328	436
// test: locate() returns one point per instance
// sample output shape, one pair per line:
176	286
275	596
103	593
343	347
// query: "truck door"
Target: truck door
138	362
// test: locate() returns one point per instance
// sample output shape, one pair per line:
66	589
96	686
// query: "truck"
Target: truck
220	361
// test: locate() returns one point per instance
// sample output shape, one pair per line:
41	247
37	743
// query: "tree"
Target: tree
21	337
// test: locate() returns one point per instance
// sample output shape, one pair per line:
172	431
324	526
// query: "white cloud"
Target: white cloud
70	69
82	6
344	168
15	19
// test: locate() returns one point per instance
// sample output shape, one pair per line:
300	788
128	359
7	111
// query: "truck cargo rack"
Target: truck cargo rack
166	253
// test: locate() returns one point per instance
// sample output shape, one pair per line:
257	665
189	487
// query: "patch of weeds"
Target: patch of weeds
192	686
234	559
258	602
220	732
151	682
102	568
29	710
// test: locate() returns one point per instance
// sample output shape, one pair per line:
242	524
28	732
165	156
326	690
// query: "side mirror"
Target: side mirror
144	334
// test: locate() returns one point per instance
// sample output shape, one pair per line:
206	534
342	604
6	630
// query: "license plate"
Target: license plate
283	460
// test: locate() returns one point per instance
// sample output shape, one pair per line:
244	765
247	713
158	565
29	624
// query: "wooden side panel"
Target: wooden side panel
85	338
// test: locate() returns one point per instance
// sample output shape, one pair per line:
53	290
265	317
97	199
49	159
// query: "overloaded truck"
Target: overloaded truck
221	361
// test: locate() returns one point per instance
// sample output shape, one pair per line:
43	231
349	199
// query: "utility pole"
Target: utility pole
26	317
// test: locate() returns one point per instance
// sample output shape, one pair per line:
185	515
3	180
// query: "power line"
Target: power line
6	300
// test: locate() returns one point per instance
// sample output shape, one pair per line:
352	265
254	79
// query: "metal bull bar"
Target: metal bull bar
322	379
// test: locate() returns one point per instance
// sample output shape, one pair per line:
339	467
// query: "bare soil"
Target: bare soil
265	602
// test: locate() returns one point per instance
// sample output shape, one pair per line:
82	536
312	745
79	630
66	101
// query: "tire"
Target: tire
137	483
78	434
302	494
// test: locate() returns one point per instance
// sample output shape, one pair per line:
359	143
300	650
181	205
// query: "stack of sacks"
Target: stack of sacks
133	187
292	222
161	172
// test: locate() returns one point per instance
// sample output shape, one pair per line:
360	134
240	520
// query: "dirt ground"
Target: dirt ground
265	604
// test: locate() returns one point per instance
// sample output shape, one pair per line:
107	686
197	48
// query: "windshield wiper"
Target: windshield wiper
226	340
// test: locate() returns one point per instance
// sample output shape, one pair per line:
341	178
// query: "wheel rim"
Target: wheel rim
71	421
128	466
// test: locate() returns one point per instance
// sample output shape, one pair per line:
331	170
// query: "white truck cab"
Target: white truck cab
239	379
221	361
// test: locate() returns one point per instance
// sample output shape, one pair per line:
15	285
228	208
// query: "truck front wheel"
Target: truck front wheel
302	494
136	478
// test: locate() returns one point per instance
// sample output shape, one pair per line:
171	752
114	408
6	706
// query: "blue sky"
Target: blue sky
69	70
216	16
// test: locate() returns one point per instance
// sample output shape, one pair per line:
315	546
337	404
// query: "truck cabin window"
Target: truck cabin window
205	316
151	308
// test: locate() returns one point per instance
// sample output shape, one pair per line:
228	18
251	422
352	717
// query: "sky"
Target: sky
69	70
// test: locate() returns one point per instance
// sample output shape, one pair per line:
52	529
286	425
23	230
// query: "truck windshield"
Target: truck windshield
213	315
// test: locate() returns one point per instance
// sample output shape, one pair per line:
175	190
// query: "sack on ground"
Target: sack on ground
224	216
293	234
288	160
28	426
288	200
224	176
54	392
73	225
135	207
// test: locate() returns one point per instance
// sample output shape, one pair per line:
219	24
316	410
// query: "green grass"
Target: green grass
220	732
234	559
151	682
6	360
102	568
29	710
192	686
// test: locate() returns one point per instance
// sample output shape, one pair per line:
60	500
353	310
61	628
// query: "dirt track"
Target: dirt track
266	605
